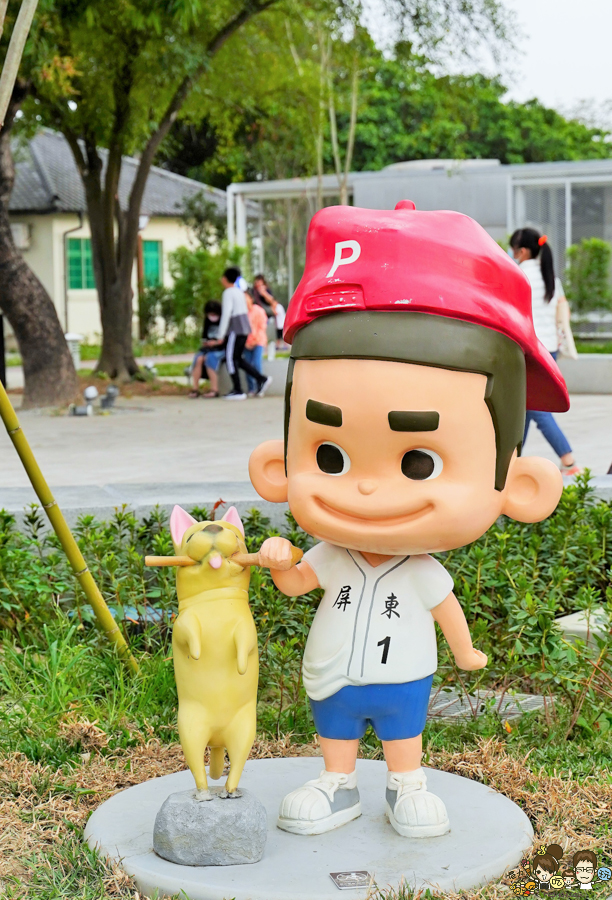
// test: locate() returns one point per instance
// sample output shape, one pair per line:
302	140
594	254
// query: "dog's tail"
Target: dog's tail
217	762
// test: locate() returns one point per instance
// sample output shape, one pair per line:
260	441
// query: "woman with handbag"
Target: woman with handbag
551	322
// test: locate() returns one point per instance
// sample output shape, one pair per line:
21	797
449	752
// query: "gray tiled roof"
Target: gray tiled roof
47	180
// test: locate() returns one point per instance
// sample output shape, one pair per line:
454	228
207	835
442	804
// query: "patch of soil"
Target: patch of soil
150	388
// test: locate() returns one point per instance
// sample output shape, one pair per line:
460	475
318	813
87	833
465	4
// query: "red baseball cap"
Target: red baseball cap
442	263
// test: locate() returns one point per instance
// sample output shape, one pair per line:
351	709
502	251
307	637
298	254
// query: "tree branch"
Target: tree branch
250	9
73	143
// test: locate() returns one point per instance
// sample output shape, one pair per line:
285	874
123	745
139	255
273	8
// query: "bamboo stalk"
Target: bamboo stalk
14	53
60	526
3	8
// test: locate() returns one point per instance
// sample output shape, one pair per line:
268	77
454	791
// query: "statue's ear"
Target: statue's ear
533	489
267	471
232	518
180	521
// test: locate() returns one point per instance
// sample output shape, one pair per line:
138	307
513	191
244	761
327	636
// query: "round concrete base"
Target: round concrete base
489	834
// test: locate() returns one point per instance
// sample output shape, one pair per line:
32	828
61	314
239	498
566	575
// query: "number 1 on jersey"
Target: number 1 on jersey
385	645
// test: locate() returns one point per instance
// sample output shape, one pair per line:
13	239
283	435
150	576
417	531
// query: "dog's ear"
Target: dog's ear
232	518
180	521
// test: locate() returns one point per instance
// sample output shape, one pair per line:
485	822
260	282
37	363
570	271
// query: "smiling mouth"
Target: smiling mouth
372	519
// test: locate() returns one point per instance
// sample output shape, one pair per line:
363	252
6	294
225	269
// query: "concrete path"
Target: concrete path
174	439
158	440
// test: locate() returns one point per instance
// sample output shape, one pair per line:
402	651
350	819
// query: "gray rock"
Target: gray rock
217	832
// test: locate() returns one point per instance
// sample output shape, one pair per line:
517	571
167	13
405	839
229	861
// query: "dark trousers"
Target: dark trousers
234	349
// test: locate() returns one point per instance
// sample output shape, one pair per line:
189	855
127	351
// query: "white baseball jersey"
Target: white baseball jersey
374	624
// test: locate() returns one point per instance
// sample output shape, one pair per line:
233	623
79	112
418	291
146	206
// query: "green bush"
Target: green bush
512	584
588	275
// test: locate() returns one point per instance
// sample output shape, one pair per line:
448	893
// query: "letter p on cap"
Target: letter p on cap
340	260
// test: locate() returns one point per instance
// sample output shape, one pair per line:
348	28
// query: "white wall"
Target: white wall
78	310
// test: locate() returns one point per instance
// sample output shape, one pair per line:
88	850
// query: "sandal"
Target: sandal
193	394
210	395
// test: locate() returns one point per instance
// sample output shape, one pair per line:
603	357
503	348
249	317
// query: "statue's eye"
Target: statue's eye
421	465
332	459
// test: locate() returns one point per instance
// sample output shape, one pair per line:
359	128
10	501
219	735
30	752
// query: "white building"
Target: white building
566	200
50	226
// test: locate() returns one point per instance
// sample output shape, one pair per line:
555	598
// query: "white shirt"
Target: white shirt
544	312
280	315
373	625
234	313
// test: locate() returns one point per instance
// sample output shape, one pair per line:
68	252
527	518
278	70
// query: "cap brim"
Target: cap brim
546	388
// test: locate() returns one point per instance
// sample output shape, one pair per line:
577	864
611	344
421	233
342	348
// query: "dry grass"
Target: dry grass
39	806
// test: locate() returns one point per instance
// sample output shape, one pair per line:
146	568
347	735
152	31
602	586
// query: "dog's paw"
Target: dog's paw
229	795
203	794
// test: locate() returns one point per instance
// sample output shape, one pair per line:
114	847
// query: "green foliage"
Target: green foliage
196	277
588	275
594	346
512	584
406	110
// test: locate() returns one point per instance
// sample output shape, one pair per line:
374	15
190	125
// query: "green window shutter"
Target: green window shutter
80	264
75	264
152	262
88	272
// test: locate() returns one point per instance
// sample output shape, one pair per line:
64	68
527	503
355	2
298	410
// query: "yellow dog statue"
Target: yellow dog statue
214	644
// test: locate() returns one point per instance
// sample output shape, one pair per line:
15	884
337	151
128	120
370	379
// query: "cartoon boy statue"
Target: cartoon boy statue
413	360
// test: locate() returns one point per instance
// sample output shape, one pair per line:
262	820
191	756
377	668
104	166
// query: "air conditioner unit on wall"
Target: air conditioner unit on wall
21	235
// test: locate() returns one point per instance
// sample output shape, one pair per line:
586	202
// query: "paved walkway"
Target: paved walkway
173	439
168	450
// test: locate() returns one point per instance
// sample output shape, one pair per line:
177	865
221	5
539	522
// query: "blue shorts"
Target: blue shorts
395	711
214	358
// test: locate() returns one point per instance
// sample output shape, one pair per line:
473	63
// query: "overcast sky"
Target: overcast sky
566	51
563	53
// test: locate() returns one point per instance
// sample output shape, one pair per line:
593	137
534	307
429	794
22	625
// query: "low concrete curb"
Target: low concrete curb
102	501
591	373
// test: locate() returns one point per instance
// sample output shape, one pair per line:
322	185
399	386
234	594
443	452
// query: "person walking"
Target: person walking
234	329
257	341
533	254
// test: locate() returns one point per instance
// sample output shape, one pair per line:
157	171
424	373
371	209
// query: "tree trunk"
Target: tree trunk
112	268
117	356
50	378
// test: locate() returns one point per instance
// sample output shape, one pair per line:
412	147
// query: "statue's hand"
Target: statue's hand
277	553
474	659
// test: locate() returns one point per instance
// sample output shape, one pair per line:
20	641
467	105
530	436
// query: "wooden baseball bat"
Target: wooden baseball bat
243	559
170	561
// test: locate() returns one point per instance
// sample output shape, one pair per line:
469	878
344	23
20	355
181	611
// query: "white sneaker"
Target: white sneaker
262	390
412	810
327	802
234	396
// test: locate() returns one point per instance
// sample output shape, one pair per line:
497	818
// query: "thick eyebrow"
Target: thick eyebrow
411	420
323	413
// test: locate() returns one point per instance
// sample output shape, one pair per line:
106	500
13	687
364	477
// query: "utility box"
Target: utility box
74	345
